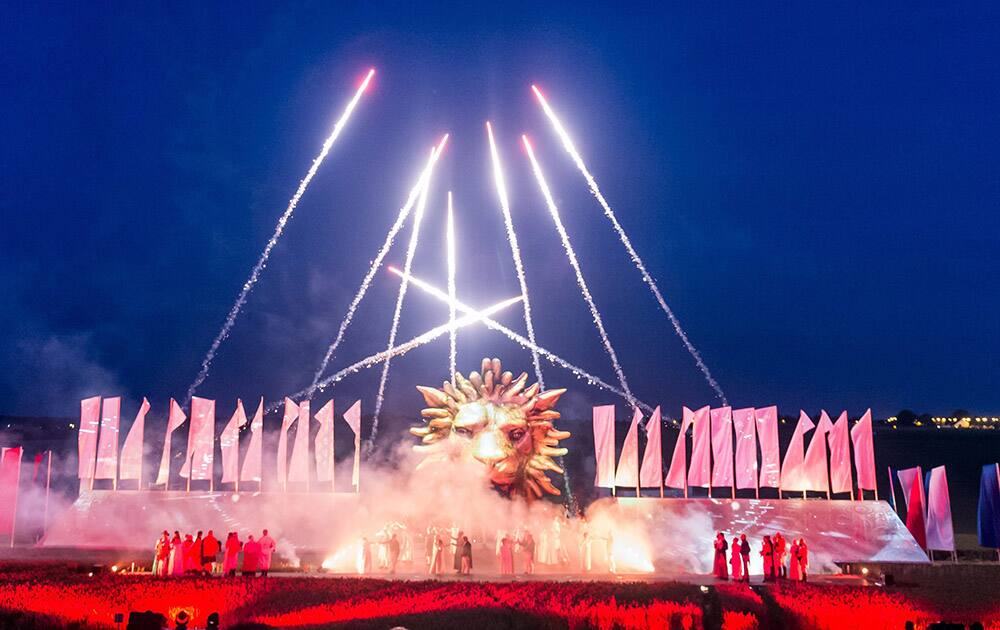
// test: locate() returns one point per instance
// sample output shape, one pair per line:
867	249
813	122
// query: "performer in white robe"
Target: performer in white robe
586	558
436	552
267	547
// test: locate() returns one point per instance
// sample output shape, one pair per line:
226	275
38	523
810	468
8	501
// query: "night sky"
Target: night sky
814	188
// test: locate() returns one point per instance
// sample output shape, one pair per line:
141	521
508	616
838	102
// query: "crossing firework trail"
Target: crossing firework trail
514	250
571	255
453	333
520	340
390	237
403	348
248	286
400	297
647	278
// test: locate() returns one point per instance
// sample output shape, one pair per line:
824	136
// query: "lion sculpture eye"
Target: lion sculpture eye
516	435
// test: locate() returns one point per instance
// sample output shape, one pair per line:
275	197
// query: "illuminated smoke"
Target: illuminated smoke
514	250
427	337
278	230
453	334
520	340
647	278
571	255
404	212
410	251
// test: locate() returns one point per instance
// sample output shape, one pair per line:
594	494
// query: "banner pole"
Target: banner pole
48	482
17	487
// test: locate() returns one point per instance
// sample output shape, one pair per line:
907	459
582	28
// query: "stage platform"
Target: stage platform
675	534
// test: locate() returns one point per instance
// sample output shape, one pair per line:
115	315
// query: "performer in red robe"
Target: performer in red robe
767	553
187	554
251	556
506	556
209	553
803	558
735	560
230	560
719	566
793	565
779	555
745	556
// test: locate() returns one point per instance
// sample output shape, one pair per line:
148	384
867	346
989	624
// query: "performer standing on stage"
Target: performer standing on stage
745	556
162	557
803	558
719	566
251	556
230	558
267	547
209	553
735	561
793	572
767	553
466	555
393	546
528	550
779	555
506	556
435	564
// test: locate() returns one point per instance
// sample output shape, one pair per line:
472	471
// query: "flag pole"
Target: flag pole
48	483
17	486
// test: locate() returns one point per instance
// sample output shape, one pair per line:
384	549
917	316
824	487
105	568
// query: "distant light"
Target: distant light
91	574
72	426
704	589
864	570
114	568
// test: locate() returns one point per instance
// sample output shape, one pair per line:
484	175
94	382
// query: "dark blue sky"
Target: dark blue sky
814	187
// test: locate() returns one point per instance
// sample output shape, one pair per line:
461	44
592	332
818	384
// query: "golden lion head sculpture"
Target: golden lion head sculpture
494	418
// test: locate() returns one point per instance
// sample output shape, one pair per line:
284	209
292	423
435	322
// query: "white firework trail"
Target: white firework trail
514	249
390	238
400	297
453	333
403	348
647	278
520	339
571	255
248	286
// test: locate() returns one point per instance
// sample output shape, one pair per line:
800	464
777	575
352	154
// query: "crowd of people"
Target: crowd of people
772	552
442	545
200	555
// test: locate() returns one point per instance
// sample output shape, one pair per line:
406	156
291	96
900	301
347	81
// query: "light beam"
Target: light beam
410	251
248	286
514	250
427	337
571	255
647	278
453	333
390	237
520	340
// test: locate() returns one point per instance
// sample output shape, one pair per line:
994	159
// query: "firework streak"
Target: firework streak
404	212
278	230
647	278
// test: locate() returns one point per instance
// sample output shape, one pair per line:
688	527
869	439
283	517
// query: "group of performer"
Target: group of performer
772	552
199	555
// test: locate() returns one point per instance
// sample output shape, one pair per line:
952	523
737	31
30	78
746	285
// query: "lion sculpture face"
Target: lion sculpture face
493	418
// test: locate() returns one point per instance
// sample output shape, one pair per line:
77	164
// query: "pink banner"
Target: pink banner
353	419
10	477
230	442
793	468
770	453
174	421
814	468
252	460
90	422
201	440
864	452
651	472
700	471
107	444
298	467
840	456
746	448
677	475
722	447
604	445
940	534
324	443
627	475
913	491
130	466
907	477
291	413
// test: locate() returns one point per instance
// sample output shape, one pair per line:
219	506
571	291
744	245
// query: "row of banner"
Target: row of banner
715	462
98	442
